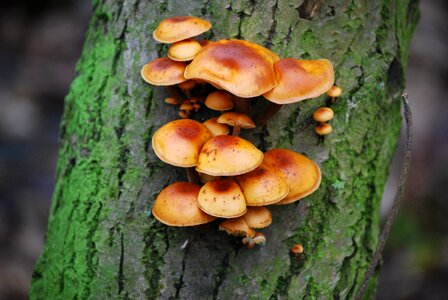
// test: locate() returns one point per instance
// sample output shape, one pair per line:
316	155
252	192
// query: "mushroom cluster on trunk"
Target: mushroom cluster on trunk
229	178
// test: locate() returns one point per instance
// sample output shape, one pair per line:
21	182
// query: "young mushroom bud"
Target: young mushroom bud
334	92
297	250
171	100
323	114
258	239
323	129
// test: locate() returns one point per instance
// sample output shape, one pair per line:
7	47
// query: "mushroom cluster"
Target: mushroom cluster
229	177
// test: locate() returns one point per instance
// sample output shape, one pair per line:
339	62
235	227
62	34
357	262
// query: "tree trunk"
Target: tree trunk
103	243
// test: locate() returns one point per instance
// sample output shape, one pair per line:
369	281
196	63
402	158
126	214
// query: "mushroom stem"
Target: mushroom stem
192	175
236	130
271	110
242	105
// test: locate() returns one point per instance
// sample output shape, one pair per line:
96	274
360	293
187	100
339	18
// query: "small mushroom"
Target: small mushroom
171	100
262	186
163	72
323	129
222	198
237	227
187	86
219	100
184	114
323	114
226	155
301	174
258	239
297	249
237	121
334	92
184	50
258	217
176	206
180	28
186	105
216	128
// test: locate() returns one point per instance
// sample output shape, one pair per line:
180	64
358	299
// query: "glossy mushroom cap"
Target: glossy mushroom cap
216	128
237	227
164	71
258	217
323	114
222	198
184	50
262	186
323	129
243	68
176	206
334	91
226	155
219	100
233	118
180	28
300	79
178	142
301	174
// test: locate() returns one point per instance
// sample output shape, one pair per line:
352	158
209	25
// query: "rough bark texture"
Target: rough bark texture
103	243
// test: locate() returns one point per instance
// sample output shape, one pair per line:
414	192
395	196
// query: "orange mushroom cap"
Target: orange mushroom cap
323	114
164	71
334	91
298	80
216	128
219	100
176	206
243	68
237	227
233	118
180	28
301	174
262	186
226	155
222	198
178	142
184	50
258	217
323	129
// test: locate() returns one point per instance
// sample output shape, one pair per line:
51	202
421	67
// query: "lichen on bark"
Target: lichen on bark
102	242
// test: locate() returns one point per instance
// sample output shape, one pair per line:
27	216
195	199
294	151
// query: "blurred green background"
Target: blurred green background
40	42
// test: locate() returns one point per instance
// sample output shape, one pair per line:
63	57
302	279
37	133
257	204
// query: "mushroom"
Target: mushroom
226	155
216	128
164	71
222	198
219	100
297	80
297	249
237	227
334	92
243	68
257	239
187	86
176	206
178	143
262	186
301	174
237	121
171	100
180	28
323	114
323	129
184	50
258	217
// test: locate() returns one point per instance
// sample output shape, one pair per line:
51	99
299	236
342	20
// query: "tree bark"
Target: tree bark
103	243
